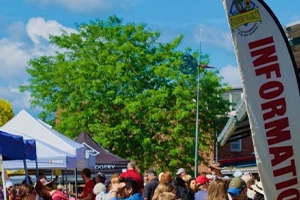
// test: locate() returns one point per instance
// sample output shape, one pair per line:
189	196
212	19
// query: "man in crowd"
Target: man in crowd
238	189
87	193
126	190
181	172
215	169
202	183
151	185
132	173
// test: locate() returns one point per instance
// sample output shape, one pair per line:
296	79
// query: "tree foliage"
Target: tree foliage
123	86
6	111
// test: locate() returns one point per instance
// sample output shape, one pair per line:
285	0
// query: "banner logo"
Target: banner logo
90	150
242	15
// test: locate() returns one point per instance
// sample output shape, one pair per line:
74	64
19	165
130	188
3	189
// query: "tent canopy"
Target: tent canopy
106	162
54	150
8	145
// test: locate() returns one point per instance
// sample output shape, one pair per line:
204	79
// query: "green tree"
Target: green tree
118	83
6	111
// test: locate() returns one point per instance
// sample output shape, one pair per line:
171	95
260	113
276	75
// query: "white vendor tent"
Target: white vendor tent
53	148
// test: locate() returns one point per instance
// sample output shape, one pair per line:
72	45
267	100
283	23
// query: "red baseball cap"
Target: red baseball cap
201	180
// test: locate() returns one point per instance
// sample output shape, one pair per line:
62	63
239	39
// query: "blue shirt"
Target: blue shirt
201	195
136	196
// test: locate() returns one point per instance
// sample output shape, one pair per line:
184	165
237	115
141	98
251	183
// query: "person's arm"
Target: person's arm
88	197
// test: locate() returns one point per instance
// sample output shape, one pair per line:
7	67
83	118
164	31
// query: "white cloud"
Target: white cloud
13	57
214	37
38	29
17	99
84	6
16	50
231	75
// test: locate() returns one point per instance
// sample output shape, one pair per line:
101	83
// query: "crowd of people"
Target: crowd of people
131	185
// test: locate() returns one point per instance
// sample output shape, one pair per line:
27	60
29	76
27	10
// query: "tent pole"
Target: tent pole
26	171
76	191
3	177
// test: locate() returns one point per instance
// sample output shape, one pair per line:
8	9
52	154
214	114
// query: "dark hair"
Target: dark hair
259	196
24	189
130	183
101	177
87	172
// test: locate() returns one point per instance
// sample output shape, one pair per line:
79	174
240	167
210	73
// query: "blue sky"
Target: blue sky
26	24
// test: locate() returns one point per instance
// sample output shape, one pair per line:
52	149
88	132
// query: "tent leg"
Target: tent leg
26	171
3	177
76	191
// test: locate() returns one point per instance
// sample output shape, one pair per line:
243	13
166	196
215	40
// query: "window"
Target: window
236	146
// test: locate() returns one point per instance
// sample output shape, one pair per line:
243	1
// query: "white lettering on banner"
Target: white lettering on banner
99	167
265	61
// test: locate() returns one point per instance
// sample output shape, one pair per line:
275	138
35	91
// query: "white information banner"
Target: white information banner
271	86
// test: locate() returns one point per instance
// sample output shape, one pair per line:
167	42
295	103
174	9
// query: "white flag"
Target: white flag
271	86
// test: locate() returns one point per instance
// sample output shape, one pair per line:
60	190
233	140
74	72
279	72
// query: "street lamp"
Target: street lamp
188	66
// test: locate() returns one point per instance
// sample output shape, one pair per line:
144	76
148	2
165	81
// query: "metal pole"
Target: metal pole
197	124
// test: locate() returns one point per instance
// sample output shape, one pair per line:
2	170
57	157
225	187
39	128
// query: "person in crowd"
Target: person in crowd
181	172
237	189
26	192
166	177
43	178
181	190
99	178
186	179
259	191
42	191
1	189
167	196
215	169
217	190
163	187
11	190
87	193
127	189
132	173
151	185
191	184
107	184
247	177
114	180
146	180
202	183
55	193
100	191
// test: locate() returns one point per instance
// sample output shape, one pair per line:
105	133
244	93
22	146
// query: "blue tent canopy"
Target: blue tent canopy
30	149
11	146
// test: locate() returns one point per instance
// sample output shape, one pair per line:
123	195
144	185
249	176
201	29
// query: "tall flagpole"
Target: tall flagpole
197	110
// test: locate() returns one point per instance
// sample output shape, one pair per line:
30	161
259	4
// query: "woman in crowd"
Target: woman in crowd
167	196
11	190
163	187
114	180
166	177
100	191
217	190
26	192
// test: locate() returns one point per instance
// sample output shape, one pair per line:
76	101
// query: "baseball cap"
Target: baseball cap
236	185
181	170
151	171
201	180
9	184
215	165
